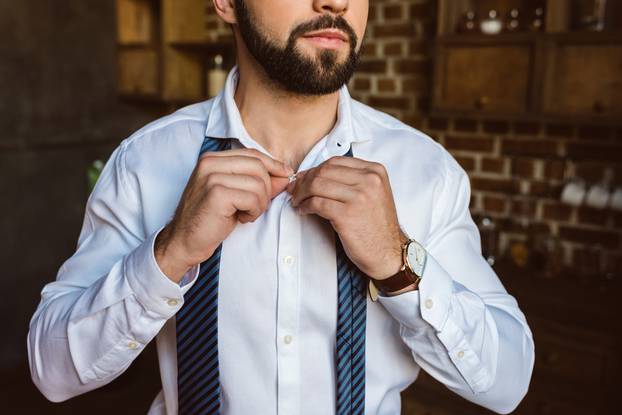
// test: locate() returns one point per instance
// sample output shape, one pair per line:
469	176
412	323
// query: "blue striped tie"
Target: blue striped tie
198	382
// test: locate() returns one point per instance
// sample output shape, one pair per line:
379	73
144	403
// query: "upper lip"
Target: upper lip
330	33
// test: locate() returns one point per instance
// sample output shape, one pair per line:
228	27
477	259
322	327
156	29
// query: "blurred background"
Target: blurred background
526	94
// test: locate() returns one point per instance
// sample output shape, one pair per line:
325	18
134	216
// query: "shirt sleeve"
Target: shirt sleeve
110	298
461	325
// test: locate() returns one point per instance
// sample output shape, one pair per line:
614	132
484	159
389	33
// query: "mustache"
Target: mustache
325	21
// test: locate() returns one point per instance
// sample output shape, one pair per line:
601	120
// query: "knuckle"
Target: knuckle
374	178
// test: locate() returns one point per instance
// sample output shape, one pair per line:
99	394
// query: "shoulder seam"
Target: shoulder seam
159	127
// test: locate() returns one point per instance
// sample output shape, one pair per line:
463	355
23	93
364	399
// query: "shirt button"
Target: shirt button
132	345
461	354
172	302
289	260
287	339
429	303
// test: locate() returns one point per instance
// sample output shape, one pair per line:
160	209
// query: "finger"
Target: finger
245	182
319	186
343	174
236	165
274	167
278	185
246	202
327	208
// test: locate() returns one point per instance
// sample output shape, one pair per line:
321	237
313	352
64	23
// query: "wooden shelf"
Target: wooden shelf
165	48
551	75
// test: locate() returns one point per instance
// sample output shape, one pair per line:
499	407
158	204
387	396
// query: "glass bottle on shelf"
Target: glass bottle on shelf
468	22
537	21
512	22
491	24
216	77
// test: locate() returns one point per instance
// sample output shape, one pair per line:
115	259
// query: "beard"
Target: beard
288	66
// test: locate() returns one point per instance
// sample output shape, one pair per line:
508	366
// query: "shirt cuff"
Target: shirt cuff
429	303
152	287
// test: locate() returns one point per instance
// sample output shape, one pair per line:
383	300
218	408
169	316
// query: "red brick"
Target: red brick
369	49
522	167
494	204
592	171
592	216
526	128
589	236
438	123
416	84
393	49
496	127
411	66
372	66
529	147
554	169
556	211
395	30
481	144
467	163
495	185
594	151
492	165
545	189
362	84
401	103
465	124
594	132
560	130
393	11
523	207
386	85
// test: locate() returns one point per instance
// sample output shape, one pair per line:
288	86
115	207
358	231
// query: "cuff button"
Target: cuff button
172	302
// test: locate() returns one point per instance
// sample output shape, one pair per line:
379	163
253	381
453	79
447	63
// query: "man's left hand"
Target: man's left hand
355	196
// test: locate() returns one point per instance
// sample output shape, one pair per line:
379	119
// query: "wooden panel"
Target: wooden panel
485	78
185	21
585	79
184	75
138	72
135	22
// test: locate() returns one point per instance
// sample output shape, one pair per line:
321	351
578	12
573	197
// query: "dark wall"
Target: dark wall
58	113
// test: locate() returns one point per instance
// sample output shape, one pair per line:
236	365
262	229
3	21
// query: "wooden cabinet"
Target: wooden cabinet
584	76
165	48
484	77
555	73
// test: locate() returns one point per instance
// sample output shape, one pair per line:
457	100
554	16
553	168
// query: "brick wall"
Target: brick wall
517	169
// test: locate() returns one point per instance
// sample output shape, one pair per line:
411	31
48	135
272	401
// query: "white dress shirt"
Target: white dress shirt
278	293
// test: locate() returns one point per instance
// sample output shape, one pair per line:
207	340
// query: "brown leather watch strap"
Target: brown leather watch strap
402	279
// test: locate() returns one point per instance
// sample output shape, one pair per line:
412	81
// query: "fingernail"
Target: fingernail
288	169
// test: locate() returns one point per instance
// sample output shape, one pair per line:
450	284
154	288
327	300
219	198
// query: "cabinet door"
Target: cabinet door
584	79
138	72
486	78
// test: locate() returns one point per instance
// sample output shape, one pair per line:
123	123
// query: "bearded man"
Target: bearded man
291	250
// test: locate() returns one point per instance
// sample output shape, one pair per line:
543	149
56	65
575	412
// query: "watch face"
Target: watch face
416	257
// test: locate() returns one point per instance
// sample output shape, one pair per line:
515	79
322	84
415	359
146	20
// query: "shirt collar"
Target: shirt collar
224	120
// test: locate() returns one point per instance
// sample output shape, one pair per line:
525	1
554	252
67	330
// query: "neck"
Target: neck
287	125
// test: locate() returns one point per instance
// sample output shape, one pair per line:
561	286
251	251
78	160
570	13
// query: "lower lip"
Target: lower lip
327	42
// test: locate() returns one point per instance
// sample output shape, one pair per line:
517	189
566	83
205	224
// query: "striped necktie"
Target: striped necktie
198	383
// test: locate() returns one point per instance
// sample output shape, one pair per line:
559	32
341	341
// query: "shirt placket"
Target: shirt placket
287	344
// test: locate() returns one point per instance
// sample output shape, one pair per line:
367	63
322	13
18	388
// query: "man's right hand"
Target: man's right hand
225	187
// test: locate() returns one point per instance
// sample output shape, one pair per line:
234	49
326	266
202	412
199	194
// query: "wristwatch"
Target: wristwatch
414	257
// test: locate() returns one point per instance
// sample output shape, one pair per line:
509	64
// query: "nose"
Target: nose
333	6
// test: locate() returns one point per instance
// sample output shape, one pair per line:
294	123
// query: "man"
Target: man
208	195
